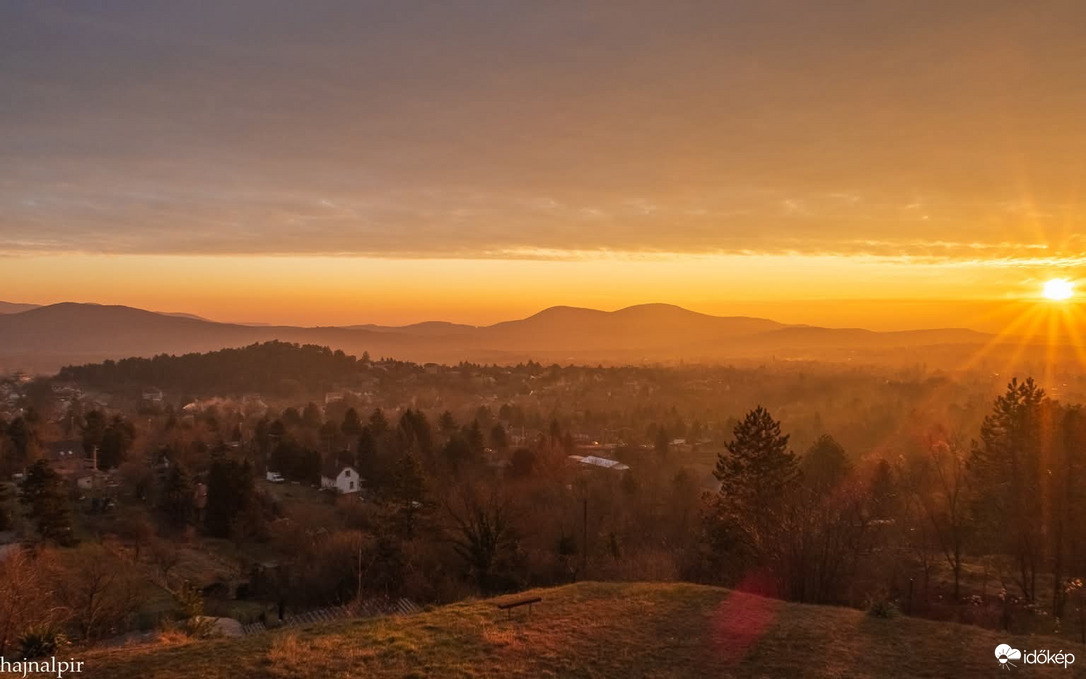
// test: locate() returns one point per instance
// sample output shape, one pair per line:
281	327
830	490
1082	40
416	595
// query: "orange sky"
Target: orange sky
478	161
881	293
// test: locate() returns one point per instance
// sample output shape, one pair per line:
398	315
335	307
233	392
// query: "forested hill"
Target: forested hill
270	367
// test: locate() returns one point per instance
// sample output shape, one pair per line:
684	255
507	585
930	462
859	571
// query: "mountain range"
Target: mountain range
43	338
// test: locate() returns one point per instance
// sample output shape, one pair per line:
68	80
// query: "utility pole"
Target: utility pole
358	593
584	550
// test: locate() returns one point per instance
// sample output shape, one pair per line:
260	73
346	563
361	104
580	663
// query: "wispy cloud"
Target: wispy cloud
550	131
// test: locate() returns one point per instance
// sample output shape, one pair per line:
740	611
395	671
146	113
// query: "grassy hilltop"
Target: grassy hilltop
599	630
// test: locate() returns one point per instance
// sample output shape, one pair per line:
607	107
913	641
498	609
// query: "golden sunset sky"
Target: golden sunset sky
885	165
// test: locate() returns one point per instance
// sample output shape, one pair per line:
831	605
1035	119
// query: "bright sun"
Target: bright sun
1058	289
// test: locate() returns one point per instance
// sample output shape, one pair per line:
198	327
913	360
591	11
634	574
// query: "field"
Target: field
600	630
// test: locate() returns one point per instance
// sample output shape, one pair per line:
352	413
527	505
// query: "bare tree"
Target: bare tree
96	588
482	534
939	485
25	599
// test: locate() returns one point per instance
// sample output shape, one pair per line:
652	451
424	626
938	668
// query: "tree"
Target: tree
175	501
97	588
825	466
352	424
135	528
457	453
93	430
939	484
1007	468
24	599
378	423
46	499
20	432
407	493
482	534
662	442
759	468
498	438
756	475
312	417
165	555
115	443
447	423
473	436
367	458
229	494
523	463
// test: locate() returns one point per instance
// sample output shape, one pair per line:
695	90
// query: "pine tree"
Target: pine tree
1008	471
758	469
352	424
447	423
825	465
407	493
46	499
176	499
229	494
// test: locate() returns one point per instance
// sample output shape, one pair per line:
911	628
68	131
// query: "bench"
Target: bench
508	607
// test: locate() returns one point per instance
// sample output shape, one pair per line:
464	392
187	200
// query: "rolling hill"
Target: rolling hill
12	308
45	338
599	630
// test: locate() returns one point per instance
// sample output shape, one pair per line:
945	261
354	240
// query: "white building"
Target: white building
599	462
346	481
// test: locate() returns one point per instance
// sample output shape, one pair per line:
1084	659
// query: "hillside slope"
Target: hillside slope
598	630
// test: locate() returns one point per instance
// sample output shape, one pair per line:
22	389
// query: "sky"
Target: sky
349	162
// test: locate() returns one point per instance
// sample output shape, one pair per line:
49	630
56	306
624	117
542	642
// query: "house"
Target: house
345	480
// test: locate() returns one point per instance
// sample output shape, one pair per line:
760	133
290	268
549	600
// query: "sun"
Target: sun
1058	289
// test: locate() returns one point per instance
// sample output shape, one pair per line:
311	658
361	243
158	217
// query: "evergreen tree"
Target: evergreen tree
473	436
352	424
115	443
229	493
20	434
378	423
825	465
498	438
1008	470
407	492
46	499
312	416
175	502
93	430
447	423
755	477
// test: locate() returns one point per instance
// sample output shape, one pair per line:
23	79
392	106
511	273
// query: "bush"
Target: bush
882	608
41	641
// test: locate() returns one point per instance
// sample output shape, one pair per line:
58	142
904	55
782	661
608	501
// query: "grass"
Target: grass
597	630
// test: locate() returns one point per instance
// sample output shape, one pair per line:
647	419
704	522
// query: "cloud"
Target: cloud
482	131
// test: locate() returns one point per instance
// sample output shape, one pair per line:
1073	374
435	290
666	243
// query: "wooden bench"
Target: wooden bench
508	607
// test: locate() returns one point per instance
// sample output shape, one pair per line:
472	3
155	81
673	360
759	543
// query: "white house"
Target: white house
345	481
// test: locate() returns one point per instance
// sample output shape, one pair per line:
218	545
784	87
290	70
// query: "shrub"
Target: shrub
882	608
41	641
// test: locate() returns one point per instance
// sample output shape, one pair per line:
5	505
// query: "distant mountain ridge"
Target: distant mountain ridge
13	308
44	338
